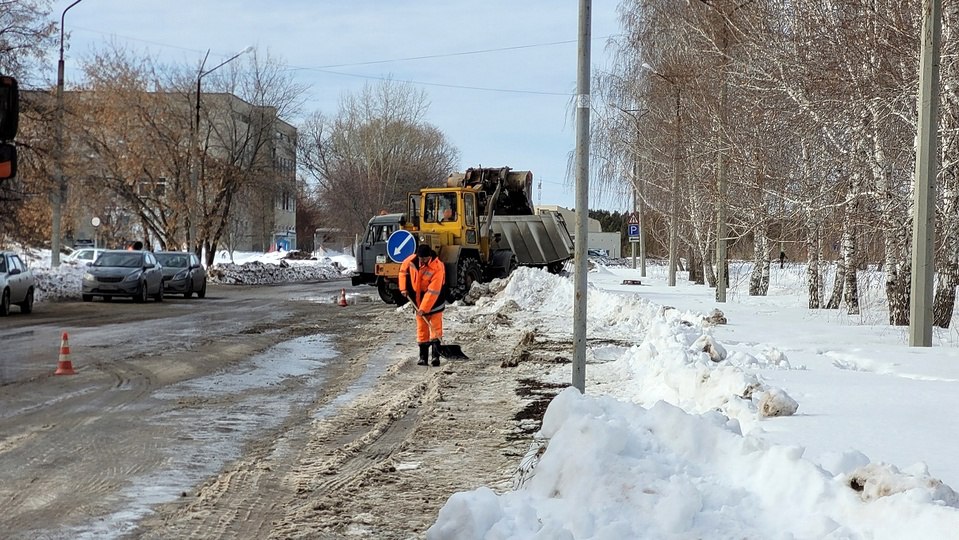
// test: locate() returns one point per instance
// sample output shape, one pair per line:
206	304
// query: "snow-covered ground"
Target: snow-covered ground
780	422
811	424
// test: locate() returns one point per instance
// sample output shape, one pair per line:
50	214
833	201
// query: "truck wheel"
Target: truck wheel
390	296
468	272
385	295
398	298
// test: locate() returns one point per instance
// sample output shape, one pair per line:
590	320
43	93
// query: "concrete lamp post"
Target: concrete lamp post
60	190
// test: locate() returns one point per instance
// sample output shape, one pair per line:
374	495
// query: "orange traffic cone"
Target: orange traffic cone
342	301
64	366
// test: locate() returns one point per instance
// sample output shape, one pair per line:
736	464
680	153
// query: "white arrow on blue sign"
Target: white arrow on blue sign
400	245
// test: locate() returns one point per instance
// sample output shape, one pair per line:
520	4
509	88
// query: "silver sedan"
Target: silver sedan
182	273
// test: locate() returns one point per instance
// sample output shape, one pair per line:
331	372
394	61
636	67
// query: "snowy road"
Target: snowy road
165	396
100	331
263	412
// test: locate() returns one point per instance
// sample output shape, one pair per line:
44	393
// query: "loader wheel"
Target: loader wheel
467	272
513	265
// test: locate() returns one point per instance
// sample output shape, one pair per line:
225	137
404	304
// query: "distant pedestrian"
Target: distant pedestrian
137	246
782	259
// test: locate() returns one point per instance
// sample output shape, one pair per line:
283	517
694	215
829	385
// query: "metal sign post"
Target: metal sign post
96	232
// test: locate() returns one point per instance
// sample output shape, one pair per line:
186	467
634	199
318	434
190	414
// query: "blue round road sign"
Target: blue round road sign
400	245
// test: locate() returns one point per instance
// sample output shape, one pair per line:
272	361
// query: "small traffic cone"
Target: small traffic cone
342	301
64	366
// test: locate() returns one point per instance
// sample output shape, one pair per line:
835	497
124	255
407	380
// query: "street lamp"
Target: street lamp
194	138
60	190
674	187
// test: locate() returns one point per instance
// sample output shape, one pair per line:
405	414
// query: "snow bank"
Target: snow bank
669	441
619	470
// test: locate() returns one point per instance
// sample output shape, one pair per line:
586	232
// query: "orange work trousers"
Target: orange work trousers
433	330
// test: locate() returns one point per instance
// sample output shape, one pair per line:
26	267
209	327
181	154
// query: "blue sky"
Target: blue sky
510	106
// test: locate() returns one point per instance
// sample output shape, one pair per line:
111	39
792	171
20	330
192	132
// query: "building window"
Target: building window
287	202
151	187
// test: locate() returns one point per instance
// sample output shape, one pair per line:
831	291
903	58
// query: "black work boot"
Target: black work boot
436	353
424	353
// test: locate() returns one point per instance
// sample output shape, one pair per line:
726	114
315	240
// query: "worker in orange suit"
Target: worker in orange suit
421	280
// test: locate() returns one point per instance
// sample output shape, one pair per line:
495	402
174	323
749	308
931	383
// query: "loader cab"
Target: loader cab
452	214
440	208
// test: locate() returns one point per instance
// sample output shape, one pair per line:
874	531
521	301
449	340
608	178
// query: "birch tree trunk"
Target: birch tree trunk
947	278
836	297
845	281
759	280
814	283
813	240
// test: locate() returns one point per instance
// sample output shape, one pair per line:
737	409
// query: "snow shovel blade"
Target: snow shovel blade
453	351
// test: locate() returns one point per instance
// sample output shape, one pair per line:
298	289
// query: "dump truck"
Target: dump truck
482	225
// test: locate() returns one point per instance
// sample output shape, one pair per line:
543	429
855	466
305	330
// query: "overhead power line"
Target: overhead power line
447	55
326	68
442	85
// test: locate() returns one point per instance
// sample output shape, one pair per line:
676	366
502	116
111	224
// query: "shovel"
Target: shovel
451	350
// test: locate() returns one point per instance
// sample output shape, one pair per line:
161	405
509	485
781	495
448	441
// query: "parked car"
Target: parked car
83	255
136	274
17	284
182	273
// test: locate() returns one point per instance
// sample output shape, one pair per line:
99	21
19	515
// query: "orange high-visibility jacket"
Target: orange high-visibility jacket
425	281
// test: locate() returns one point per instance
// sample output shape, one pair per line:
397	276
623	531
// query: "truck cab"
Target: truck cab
371	257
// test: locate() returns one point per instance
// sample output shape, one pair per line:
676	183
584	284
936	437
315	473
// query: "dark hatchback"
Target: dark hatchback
136	274
182	273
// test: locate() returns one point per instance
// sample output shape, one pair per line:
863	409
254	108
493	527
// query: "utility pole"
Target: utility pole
924	219
59	195
582	197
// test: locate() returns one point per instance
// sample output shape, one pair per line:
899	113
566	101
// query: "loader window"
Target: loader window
469	209
440	207
414	208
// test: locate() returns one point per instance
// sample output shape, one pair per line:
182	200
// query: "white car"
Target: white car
17	284
83	256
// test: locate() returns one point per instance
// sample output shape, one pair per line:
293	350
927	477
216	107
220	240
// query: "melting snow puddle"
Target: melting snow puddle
379	361
208	435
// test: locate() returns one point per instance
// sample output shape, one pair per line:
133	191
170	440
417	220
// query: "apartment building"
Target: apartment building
242	150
